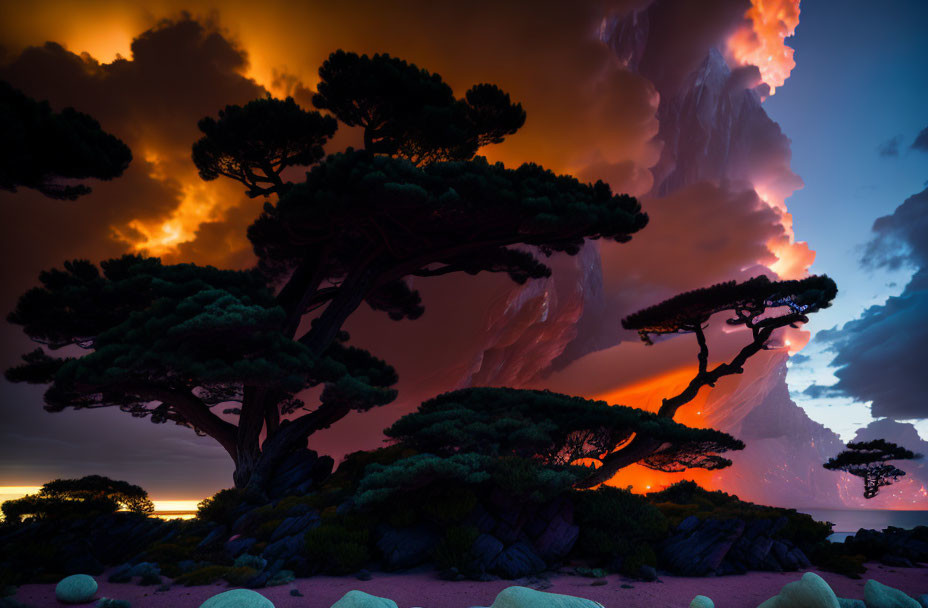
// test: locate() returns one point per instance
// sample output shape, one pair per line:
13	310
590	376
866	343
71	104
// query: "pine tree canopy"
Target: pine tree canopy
41	148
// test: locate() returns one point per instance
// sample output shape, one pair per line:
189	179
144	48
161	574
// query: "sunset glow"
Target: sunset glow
761	42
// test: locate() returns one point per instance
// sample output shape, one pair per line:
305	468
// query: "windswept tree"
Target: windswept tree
869	460
760	305
48	151
553	430
80	497
174	343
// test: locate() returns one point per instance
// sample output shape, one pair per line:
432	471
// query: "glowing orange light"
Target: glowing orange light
762	42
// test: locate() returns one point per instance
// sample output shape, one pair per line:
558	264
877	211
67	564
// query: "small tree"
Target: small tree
88	495
869	460
40	148
758	304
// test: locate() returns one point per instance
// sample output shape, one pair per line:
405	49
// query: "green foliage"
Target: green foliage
176	550
445	505
221	508
454	549
254	144
40	148
381	482
613	522
341	545
834	557
554	430
527	480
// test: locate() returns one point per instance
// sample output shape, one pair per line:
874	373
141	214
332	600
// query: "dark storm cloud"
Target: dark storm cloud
881	355
921	141
890	147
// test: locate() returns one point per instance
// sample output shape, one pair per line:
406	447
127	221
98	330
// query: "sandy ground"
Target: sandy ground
423	589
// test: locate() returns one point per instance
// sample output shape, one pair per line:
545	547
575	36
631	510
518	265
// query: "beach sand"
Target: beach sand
424	590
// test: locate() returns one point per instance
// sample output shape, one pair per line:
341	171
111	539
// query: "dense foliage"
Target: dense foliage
42	149
174	342
553	430
84	497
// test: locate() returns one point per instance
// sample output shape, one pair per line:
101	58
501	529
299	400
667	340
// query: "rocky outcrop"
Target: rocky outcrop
893	546
729	546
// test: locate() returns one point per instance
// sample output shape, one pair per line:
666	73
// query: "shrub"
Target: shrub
445	505
222	507
834	557
613	521
208	575
527	480
381	482
340	545
454	549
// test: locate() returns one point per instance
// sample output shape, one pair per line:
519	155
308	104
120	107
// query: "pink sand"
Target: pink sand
423	589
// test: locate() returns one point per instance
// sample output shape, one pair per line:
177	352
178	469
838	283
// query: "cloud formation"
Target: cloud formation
890	147
921	141
880	356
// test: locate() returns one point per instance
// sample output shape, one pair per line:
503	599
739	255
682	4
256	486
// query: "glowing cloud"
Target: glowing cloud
761	40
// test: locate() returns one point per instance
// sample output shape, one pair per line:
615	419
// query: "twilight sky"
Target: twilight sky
598	106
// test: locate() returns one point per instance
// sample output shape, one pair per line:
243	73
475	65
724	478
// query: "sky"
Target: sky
853	107
771	187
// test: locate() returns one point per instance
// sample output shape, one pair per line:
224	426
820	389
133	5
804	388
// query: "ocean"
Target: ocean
848	521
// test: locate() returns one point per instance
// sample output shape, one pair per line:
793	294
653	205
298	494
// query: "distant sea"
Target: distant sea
848	521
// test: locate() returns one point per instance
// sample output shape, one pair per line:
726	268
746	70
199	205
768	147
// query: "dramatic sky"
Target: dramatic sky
832	176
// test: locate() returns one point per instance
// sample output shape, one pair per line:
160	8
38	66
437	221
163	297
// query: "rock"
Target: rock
238	598
359	599
217	534
406	547
145	569
701	601
811	591
923	600
896	561
237	546
122	574
284	548
249	561
485	550
647	573
523	597
846	603
299	473
282	577
878	595
76	589
296	525
105	602
557	539
363	575
517	561
699	551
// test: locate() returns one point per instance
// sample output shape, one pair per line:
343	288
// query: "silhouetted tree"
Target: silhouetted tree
869	460
78	497
410	112
253	144
759	304
553	430
41	148
173	342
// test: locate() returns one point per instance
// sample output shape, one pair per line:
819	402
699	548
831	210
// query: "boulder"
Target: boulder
557	539
285	548
76	589
299	472
699	550
359	599
923	600
518	560
215	535
846	603
485	550
811	591
647	573
523	597
406	547
878	595
701	601
236	546
238	598
296	525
